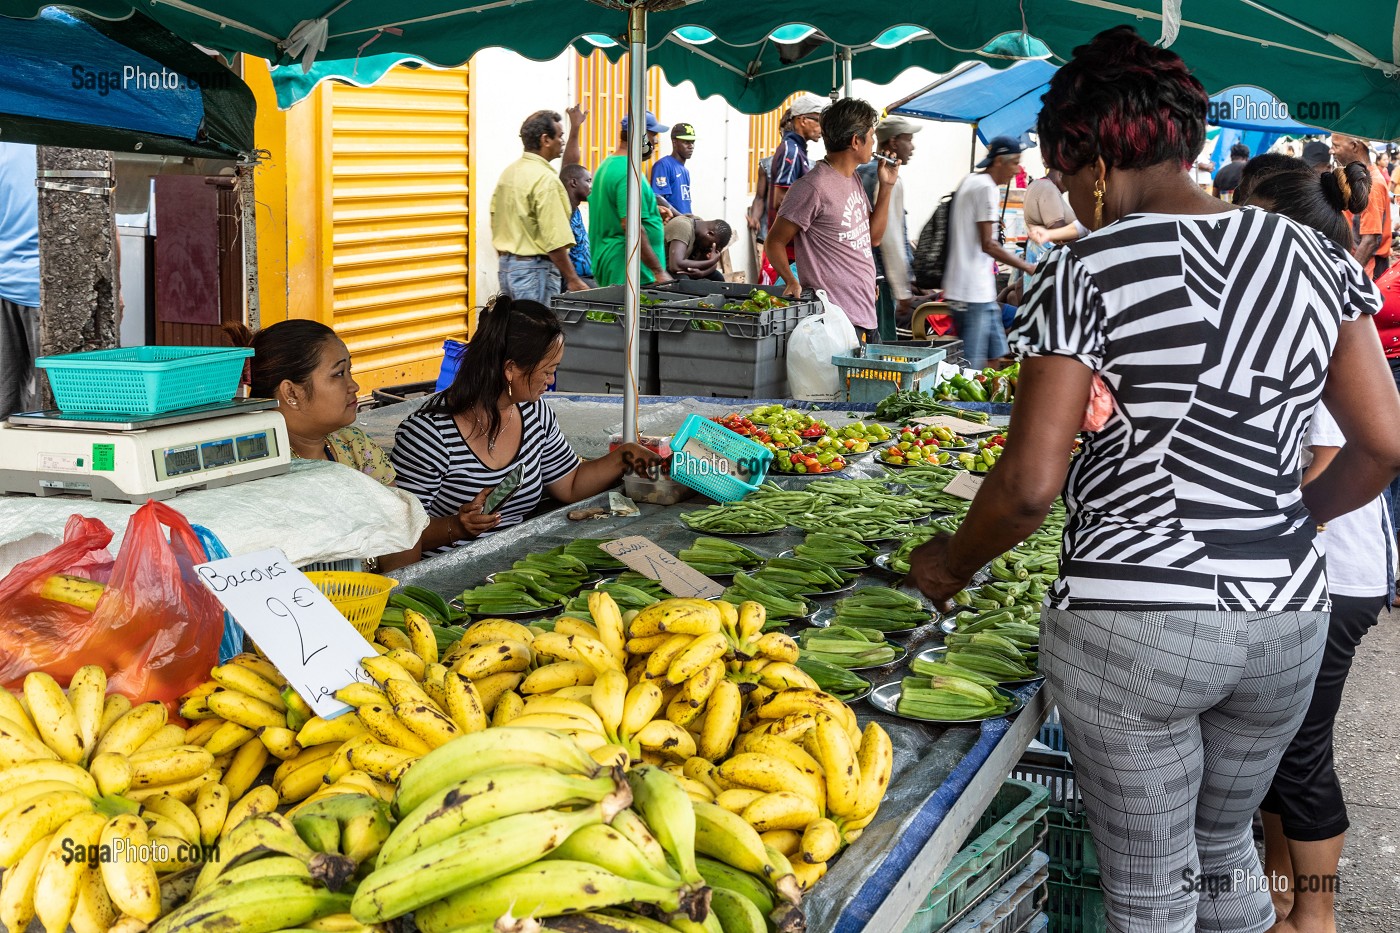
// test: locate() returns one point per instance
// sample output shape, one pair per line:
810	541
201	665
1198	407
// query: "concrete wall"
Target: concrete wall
506	87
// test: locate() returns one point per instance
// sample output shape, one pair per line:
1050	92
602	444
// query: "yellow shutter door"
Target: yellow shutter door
401	231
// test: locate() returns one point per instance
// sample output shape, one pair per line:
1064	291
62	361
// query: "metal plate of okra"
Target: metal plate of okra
825	618
937	653
886	698
790	552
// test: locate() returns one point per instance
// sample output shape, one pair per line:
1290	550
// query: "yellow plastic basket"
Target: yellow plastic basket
360	597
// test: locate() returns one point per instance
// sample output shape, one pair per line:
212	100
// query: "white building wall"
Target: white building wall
508	87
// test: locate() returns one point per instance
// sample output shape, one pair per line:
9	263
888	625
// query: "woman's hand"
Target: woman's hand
1039	235
639	460
929	571
474	521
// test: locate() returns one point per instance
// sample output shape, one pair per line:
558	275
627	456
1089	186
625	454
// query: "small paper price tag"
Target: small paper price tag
650	560
957	425
295	625
965	485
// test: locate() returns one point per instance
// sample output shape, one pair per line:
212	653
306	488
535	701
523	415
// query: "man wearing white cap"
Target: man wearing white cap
894	139
790	161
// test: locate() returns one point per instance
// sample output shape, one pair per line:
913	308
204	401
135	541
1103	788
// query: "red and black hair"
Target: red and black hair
1123	99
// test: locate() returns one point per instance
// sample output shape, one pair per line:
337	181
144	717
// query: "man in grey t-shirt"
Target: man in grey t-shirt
828	216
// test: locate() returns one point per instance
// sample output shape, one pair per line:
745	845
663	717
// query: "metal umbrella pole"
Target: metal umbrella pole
636	132
847	81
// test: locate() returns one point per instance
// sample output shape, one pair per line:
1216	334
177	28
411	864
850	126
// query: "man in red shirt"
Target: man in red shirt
1372	227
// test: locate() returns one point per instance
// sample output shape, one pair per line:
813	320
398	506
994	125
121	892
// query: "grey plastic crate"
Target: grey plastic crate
674	317
594	359
710	363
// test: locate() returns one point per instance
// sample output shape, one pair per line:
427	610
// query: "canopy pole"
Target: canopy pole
847	82
636	133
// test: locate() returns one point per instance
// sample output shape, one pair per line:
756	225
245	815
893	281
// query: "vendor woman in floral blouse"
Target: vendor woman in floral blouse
306	368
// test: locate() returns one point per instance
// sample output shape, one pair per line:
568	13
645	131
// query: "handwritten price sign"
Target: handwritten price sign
311	643
675	576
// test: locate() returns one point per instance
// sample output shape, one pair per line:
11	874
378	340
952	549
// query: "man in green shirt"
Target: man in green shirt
607	215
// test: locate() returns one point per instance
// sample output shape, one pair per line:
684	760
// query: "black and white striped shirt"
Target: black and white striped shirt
435	464
1213	333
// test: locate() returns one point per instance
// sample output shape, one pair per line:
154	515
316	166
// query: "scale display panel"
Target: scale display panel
181	460
253	447
217	453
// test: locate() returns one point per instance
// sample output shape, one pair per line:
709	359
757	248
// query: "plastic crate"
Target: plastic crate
714	363
1070	845
710	475
1013	907
1055	772
595	357
1075	906
1008	833
1052	733
674	317
144	380
884	370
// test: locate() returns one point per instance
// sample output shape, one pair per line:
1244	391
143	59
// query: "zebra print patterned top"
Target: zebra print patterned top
1213	333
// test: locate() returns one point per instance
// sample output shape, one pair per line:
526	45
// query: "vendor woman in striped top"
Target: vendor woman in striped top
464	441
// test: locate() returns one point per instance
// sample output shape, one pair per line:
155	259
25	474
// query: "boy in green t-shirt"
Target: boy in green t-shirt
607	213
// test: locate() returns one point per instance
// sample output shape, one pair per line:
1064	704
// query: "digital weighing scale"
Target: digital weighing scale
132	459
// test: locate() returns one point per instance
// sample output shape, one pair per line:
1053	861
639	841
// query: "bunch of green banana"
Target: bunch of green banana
883	609
780	603
847	647
345	827
949	698
265	879
517	820
839	551
803	576
717	557
508	597
590	551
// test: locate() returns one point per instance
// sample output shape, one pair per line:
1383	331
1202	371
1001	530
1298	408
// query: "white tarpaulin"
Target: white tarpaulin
319	511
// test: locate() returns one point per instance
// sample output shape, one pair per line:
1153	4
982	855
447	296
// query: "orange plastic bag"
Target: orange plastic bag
155	629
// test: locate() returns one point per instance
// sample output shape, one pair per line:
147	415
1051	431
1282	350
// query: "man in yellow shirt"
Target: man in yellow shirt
530	217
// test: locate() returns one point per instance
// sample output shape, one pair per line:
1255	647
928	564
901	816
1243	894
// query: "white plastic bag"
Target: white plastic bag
816	339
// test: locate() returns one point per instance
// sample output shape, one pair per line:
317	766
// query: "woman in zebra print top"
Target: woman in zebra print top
1184	635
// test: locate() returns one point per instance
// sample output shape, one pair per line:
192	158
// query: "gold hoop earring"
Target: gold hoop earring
1099	189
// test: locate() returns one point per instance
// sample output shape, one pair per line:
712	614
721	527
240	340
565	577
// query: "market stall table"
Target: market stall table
943	777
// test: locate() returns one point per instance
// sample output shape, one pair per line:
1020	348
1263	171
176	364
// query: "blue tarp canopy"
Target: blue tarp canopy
998	102
1006	102
129	86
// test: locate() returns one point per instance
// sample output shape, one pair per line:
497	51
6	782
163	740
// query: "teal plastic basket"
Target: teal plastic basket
724	453
884	370
144	380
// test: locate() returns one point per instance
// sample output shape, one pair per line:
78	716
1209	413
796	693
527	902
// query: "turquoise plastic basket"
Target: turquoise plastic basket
710	475
144	380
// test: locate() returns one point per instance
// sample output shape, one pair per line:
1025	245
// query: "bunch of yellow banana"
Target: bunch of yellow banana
265	878
402	716
245	699
520	820
809	787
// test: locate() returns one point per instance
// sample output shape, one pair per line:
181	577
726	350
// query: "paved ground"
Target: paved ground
1368	760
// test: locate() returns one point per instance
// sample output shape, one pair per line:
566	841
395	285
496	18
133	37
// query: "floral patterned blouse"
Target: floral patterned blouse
352	447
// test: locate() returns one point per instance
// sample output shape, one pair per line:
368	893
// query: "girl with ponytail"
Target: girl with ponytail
491	421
